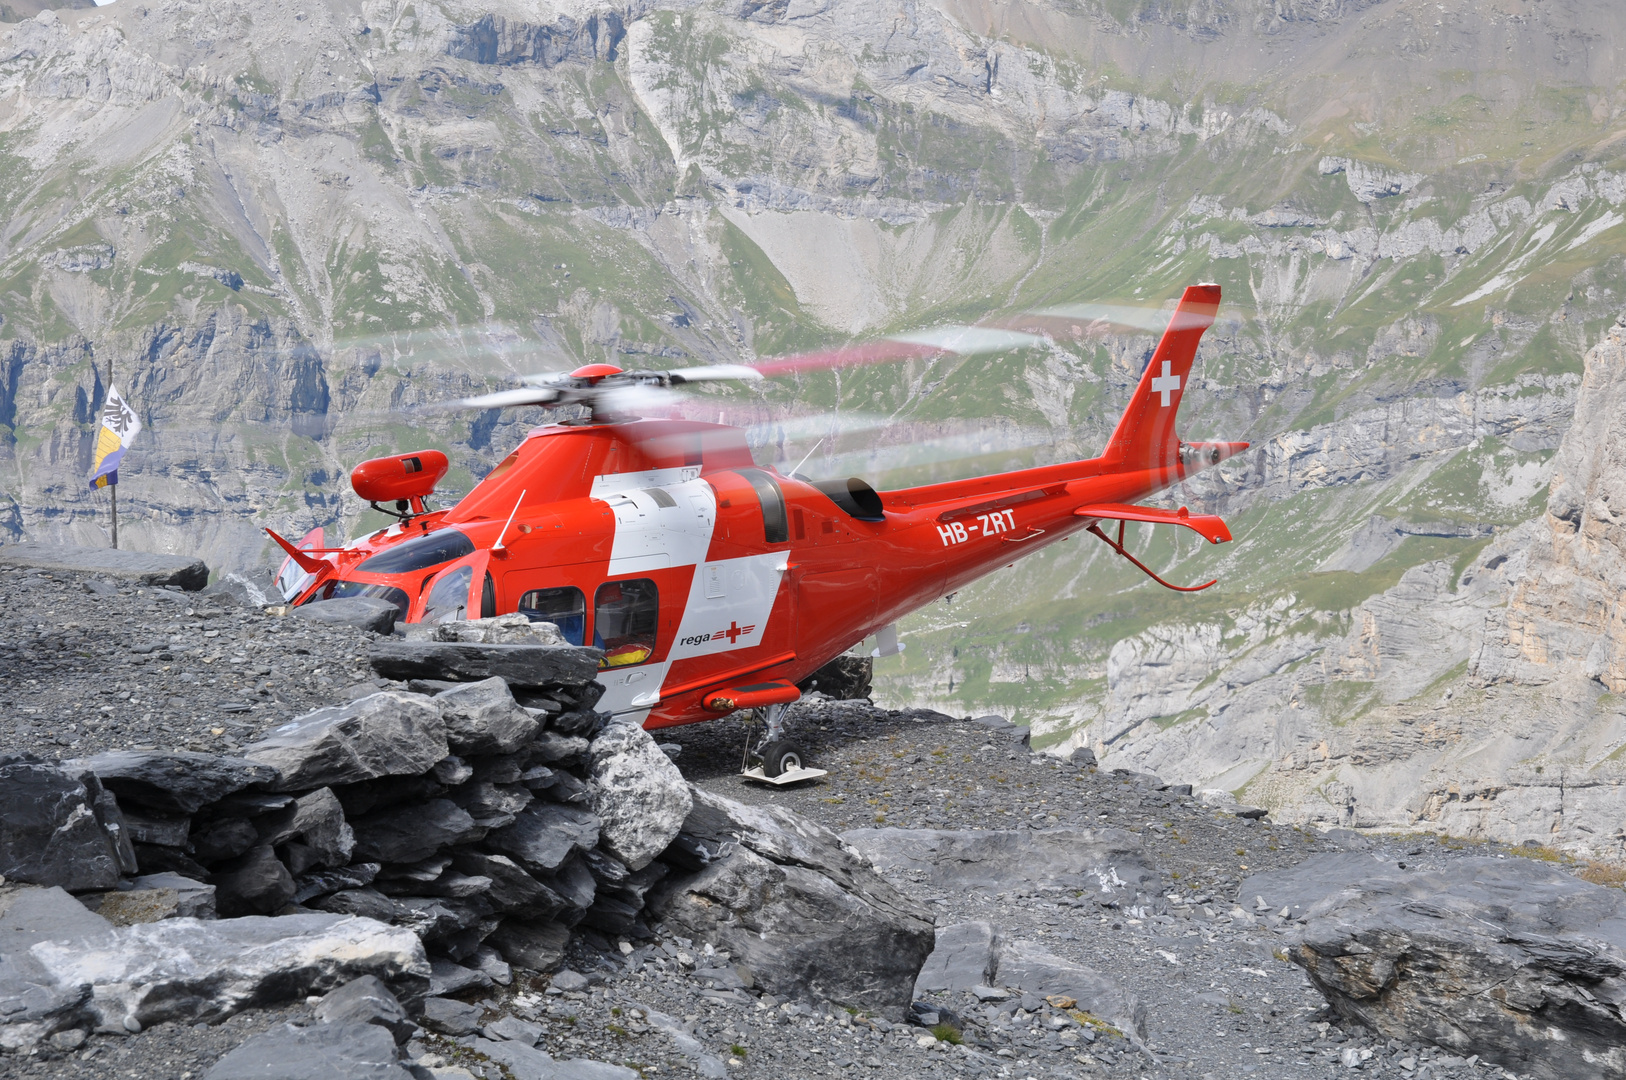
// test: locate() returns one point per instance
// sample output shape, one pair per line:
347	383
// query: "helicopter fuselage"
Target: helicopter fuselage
664	544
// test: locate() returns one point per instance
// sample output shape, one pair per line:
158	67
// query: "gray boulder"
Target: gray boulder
511	888
1510	959
351	1051
312	831
33	1004
362	612
483	718
1297	889
384	734
639	796
536	946
544	835
459	661
256	884
59	827
405	834
141	566
366	1001
789	901
173	781
1109	863
450	1017
513	629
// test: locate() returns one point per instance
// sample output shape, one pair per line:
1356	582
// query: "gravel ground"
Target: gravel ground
88	664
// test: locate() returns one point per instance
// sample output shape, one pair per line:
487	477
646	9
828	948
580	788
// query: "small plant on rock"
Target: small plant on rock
947	1033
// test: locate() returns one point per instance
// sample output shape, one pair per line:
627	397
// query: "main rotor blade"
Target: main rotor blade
715	373
504	399
918	344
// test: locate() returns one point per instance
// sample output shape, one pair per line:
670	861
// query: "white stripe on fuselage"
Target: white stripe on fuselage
730	600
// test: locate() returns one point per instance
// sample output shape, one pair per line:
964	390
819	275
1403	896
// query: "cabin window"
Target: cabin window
625	615
488	598
775	527
419	553
335	590
449	599
564	607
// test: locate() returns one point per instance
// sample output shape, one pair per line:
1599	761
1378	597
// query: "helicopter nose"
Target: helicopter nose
594	372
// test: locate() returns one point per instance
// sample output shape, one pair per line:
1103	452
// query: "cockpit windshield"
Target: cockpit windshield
420	553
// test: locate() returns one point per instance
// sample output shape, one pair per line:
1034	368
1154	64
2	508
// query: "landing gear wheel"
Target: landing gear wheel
780	757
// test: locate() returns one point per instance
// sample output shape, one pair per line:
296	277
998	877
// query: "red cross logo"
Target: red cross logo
733	632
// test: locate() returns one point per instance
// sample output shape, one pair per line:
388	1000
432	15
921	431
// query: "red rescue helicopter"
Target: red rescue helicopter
711	583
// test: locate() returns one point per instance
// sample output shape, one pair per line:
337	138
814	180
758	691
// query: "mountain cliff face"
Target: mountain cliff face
285	228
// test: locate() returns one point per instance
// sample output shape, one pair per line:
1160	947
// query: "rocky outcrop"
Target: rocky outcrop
1508	959
973	956
149	569
1109	864
1566	614
806	915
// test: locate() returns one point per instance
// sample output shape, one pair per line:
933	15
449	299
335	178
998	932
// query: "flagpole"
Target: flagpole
113	489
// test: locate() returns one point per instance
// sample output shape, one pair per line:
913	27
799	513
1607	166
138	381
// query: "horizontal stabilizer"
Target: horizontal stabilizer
1208	526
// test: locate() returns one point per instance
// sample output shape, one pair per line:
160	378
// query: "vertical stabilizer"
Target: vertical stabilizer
1145	436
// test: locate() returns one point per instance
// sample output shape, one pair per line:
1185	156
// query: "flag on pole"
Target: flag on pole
120	426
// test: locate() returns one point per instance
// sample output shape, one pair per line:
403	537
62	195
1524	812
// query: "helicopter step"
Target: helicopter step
789	776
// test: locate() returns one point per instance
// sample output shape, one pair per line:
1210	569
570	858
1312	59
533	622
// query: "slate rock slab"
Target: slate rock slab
461	661
1510	959
367	1001
344	1051
362	612
384	734
1029	967
256	884
450	1017
963	956
406	834
544	835
190	970
33	1005
639	796
1109	863
538	946
1297	889
789	901
59	827
483	718
179	781
528	1063
148	569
